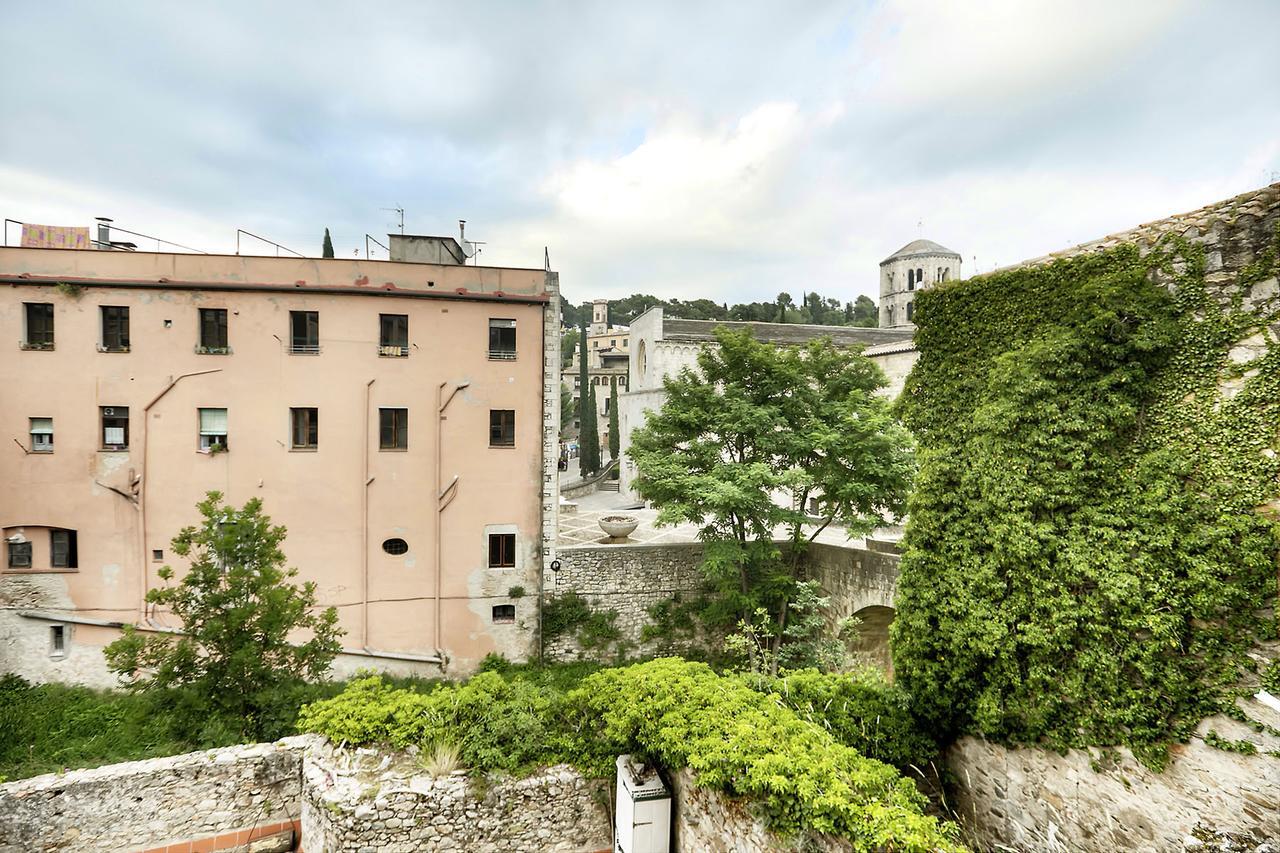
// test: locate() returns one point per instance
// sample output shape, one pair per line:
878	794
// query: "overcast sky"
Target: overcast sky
722	150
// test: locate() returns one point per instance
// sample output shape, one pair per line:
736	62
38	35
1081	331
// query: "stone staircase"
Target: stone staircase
609	486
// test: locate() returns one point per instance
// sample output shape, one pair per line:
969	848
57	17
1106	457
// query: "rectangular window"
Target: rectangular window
504	614
19	555
306	428
213	430
115	328
39	316
115	427
213	331
41	435
157	554
62	549
393	335
502	550
502	339
304	332
502	428
57	641
393	429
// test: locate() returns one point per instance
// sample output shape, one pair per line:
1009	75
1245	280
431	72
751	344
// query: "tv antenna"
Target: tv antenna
397	210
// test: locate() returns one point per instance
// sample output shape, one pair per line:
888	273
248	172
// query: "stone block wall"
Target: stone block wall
1036	800
365	800
709	821
628	579
140	805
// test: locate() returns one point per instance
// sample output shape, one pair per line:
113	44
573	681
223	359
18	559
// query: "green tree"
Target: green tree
753	422
328	244
239	611
784	302
615	440
586	407
568	342
589	434
566	410
865	313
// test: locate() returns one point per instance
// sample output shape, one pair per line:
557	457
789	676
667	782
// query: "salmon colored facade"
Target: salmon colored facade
390	514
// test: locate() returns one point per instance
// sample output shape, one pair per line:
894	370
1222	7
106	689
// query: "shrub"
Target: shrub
860	709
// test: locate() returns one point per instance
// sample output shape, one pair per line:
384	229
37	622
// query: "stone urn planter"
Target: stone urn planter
619	526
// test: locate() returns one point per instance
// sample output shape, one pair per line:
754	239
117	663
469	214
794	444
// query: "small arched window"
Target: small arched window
910	311
919	275
642	360
946	271
911	279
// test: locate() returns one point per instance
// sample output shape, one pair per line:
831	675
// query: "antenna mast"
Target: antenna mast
400	211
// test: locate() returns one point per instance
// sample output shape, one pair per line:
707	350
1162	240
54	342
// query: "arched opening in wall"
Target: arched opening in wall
911	279
642	360
869	641
919	275
910	311
946	271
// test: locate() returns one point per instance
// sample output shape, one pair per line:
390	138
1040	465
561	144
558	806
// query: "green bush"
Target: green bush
1085	562
860	709
681	714
747	743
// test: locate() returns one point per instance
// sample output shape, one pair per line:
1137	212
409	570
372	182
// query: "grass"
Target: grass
48	728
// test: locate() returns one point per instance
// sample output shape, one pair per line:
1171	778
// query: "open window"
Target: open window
502	339
213	430
39	325
41	435
304	332
393	335
63	552
305	428
115	328
115	427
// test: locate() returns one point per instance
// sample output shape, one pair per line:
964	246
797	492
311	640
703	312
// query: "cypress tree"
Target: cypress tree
584	412
592	437
615	440
328	244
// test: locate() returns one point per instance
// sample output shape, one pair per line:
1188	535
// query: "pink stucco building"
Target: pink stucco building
398	417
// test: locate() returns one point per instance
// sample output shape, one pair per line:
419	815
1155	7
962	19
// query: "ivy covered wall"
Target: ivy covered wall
1091	553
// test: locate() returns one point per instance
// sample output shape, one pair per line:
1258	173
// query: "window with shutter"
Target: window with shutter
213	430
41	435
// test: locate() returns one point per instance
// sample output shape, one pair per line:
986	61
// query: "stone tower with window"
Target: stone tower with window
918	265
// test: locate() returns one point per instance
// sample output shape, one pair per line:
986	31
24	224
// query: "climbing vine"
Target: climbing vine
1092	543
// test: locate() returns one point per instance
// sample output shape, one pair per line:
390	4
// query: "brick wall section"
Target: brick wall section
157	803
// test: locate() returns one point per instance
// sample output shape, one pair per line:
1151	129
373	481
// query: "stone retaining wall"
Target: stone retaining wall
1036	800
628	579
366	800
708	821
141	805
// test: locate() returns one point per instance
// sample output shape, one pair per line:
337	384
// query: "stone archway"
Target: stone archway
869	641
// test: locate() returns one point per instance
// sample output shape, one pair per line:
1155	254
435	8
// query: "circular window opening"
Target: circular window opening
396	546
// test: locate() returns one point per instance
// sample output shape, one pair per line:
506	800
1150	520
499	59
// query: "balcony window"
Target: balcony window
213	430
41	435
393	429
115	328
306	428
393	335
115	427
39	325
502	339
502	428
304	332
213	332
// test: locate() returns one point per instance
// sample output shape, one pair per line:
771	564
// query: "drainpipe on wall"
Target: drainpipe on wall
142	485
364	525
444	496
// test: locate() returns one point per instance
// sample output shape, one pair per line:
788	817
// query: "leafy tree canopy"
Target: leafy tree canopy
742	445
241	618
815	309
